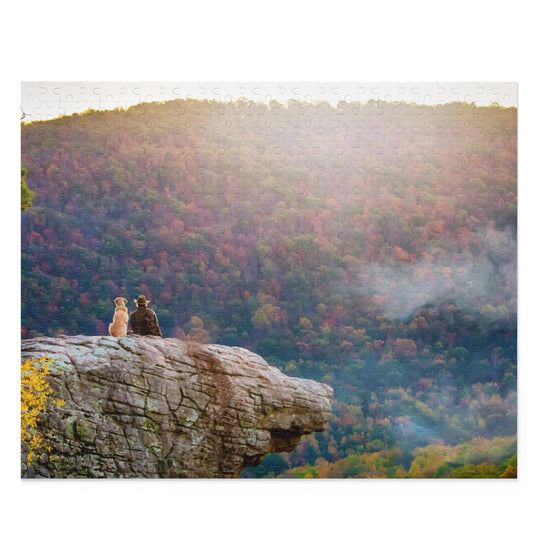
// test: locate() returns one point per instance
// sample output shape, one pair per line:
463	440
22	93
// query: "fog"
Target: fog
471	283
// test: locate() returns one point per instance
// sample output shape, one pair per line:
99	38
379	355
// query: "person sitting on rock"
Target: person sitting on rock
144	321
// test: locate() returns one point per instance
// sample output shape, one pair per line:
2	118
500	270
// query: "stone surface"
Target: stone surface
151	407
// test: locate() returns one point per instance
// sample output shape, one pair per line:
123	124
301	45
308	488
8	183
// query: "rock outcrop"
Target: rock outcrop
149	407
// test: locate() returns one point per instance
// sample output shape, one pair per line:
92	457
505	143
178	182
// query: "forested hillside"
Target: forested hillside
368	246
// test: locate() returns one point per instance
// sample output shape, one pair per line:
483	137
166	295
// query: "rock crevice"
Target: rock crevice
151	407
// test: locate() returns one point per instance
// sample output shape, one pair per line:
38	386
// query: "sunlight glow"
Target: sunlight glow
47	100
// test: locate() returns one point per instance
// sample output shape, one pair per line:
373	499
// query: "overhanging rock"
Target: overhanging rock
149	407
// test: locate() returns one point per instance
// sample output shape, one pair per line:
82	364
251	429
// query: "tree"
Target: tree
35	396
26	194
405	348
196	330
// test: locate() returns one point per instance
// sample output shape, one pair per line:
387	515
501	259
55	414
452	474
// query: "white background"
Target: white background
274	41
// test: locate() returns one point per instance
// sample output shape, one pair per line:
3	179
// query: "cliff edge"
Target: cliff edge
147	407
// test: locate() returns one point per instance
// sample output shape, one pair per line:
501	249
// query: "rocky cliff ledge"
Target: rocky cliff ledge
148	407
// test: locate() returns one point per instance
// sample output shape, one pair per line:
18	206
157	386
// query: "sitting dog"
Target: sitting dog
118	327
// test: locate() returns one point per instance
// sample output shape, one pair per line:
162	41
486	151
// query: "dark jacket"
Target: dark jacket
144	322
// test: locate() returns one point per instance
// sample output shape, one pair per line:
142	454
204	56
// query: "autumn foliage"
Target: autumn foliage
369	246
36	394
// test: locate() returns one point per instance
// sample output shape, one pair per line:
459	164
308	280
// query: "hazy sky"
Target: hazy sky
46	100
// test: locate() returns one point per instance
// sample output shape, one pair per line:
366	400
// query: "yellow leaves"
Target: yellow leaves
265	316
306	324
35	393
290	367
196	330
510	472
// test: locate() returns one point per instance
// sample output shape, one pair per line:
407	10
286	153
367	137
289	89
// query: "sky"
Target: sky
47	100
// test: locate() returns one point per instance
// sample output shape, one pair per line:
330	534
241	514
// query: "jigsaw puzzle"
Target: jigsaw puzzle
305	280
